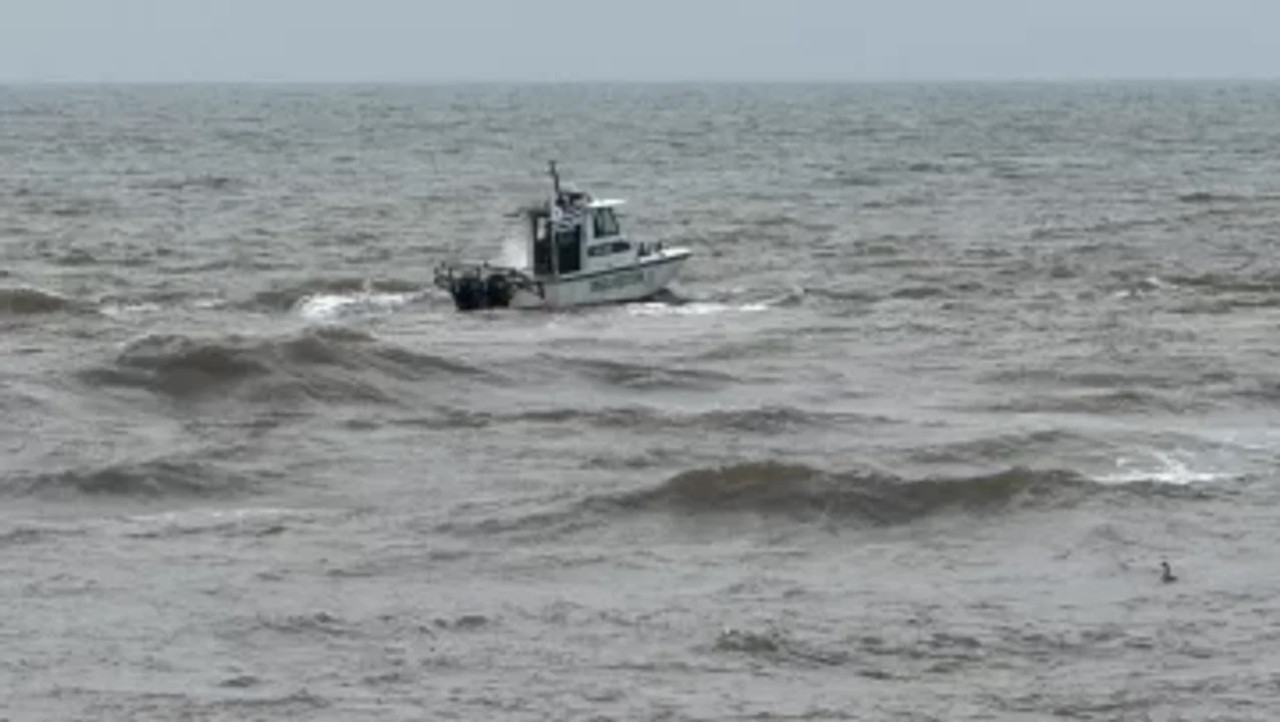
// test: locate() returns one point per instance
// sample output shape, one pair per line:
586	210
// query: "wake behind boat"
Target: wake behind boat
581	256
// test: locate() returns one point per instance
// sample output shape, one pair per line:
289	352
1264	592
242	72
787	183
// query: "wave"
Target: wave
855	179
926	167
794	492
760	420
1264	282
783	489
198	182
324	364
293	296
75	257
328	307
155	478
1118	401
1085	378
26	301
1001	448
24	533
1211	197
1163	468
843	295
641	376
1223	292
916	293
899	199
759	346
694	308
776	488
71	207
774	419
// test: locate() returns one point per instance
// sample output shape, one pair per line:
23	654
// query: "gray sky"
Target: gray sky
430	40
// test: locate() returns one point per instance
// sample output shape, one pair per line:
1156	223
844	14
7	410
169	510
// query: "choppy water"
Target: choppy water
954	367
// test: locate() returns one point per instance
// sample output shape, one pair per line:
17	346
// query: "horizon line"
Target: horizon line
423	82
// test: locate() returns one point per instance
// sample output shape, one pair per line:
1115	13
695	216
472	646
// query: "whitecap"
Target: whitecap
1163	468
327	306
172	523
117	310
696	308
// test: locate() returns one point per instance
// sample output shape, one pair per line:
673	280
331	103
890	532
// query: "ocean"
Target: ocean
952	370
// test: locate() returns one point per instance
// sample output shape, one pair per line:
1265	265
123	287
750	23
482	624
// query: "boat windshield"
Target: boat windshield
606	223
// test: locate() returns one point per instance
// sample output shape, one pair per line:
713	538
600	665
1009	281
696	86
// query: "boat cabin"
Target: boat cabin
579	236
576	234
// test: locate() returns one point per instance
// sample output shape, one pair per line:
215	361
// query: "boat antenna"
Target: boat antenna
555	178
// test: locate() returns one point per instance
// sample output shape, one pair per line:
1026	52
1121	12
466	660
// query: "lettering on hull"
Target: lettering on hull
618	280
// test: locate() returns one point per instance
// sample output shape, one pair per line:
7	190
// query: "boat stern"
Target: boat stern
477	287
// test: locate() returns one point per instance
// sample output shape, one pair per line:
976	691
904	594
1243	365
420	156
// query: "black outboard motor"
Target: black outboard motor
469	293
472	292
498	291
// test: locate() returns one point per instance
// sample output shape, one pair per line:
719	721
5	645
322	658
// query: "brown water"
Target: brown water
952	370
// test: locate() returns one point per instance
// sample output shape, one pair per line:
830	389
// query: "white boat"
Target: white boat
580	256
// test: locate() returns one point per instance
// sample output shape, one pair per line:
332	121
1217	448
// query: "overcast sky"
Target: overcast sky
433	40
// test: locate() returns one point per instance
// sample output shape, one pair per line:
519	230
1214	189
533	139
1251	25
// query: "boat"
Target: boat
580	256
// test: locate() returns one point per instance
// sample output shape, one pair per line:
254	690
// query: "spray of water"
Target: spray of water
514	253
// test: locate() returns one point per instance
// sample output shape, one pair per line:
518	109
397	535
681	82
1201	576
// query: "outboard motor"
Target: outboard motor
498	291
469	293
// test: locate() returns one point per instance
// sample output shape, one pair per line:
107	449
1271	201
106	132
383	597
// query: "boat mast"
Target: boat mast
553	244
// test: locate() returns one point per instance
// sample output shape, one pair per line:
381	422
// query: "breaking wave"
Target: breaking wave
693	308
328	307
298	295
324	364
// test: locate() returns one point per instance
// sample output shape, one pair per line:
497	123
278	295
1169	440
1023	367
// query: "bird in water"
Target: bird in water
1167	576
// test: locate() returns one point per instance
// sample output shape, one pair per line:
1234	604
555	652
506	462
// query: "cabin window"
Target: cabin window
608	249
606	224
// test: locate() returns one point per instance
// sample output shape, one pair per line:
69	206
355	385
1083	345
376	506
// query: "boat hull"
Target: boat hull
483	287
633	282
